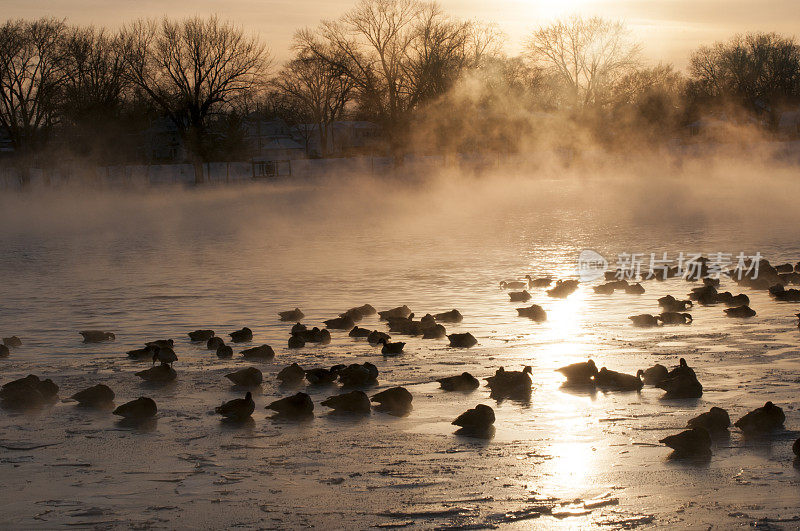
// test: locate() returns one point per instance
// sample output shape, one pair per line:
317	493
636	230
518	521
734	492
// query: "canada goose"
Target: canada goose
296	342
249	377
225	352
604	289
405	325
161	343
695	441
292	315
201	335
709	281
644	320
427	321
299	405
339	323
580	373
401	312
359	312
541	282
164	355
321	375
436	331
453	316
671	304
673	318
12	342
715	420
214	343
739	300
465	340
513	284
352	402
4	352
534	312
263	352
97	336
785	295
359	332
613	275
767	418
740	312
510	383
519	296
293	373
463	382
681	382
395	401
242	336
141	408
315	335
634	289
237	409
390	349
298	328
563	288
358	375
29	391
653	375
96	395
617	381
374	337
159	373
784	268
704	295
478	419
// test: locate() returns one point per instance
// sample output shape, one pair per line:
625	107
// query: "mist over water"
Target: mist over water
159	262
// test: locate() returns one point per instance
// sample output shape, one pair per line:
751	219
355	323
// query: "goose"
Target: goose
322	376
400	312
673	318
237	409
742	312
563	288
299	405
391	349
692	442
644	320
359	312
249	377
580	373
315	335
715	420
214	343
292	315
478	419
165	355
710	281
510	383
541	282
161	343
242	336
395	401
263	352
437	331
291	374
671	304
653	375
513	284
534	312
340	323
681	382
141	408
296	342
160	373
96	395
29	391
604	289
704	295
739	300
225	352
634	289
4	352
519	296
359	332
784	268
613	275
201	335
780	293
352	402
12	342
374	337
463	382
358	375
427	321
764	419
404	325
97	336
465	340
298	328
617	381
453	316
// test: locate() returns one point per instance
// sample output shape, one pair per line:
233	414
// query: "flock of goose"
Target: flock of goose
680	382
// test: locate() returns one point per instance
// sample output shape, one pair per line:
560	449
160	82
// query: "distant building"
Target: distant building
6	145
272	140
161	143
345	139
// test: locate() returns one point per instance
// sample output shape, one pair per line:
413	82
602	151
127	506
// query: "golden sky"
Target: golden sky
669	29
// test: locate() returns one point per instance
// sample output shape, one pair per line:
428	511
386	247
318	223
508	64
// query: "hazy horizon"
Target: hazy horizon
668	29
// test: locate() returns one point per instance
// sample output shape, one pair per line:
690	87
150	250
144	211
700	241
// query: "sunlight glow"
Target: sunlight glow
546	10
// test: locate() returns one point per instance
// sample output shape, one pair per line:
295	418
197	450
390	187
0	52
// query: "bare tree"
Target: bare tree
588	56
192	69
31	74
319	88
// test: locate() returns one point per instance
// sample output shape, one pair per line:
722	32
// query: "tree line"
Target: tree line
430	81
